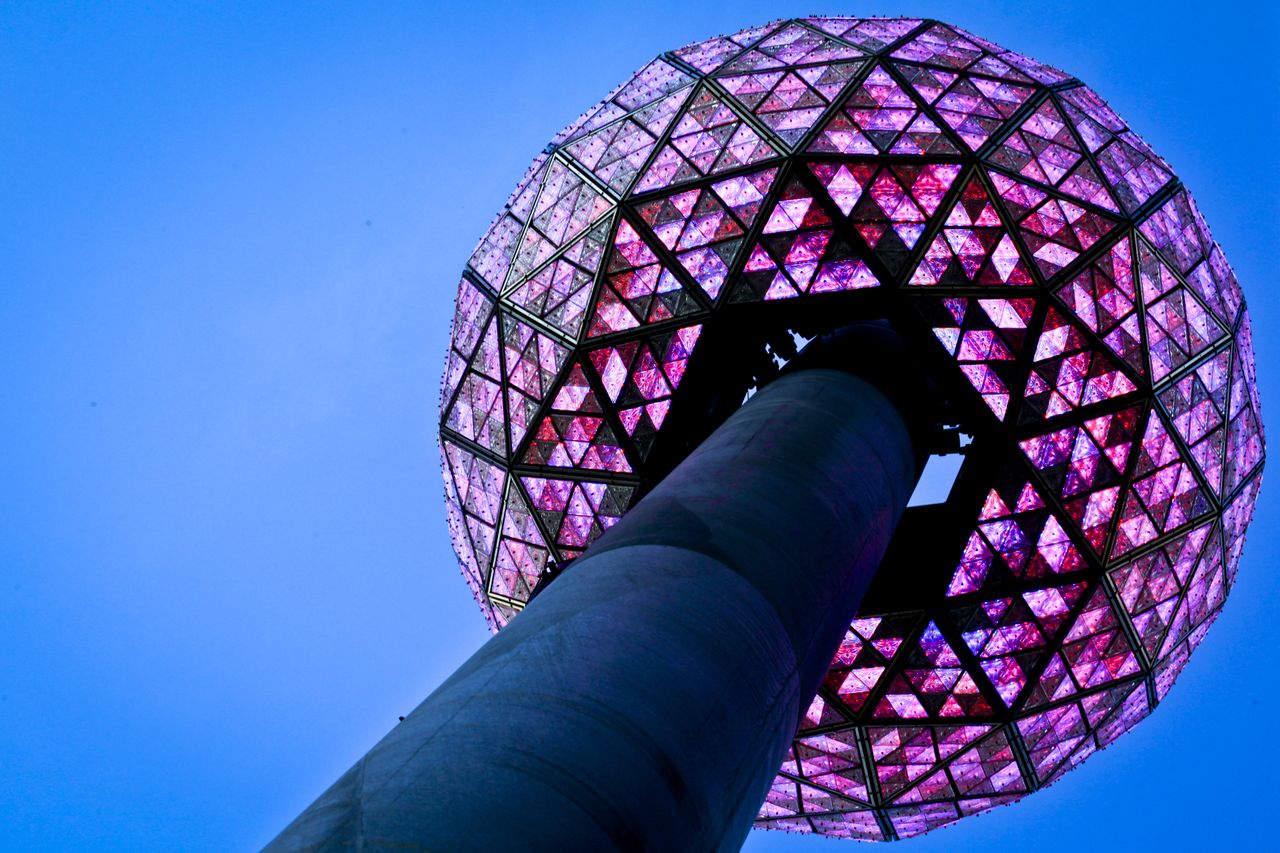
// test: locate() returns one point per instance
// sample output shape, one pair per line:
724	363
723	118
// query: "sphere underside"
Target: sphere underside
1044	262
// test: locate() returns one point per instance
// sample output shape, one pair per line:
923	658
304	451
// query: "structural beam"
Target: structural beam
645	700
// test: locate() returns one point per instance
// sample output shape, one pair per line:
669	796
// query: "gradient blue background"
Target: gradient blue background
229	240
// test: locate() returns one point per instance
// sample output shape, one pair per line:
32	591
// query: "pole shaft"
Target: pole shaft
645	700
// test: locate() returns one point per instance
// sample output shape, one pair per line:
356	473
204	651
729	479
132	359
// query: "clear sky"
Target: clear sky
229	244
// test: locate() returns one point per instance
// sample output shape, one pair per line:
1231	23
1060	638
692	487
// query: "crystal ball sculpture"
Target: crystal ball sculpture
1057	278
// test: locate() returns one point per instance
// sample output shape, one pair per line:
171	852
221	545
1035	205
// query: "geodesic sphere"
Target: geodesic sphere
1045	264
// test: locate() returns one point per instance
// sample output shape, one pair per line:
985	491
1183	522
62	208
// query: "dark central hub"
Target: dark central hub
749	346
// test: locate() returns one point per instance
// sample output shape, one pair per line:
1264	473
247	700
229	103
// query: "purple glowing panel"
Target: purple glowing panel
1045	262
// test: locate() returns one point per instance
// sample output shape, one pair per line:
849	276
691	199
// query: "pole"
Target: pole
645	700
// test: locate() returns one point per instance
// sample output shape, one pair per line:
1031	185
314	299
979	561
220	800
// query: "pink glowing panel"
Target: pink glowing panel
1055	275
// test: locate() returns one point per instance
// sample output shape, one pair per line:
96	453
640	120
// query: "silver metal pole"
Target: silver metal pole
645	700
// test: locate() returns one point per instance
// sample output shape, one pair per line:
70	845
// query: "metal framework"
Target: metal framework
1050	270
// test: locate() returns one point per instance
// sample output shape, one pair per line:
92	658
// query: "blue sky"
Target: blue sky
229	242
